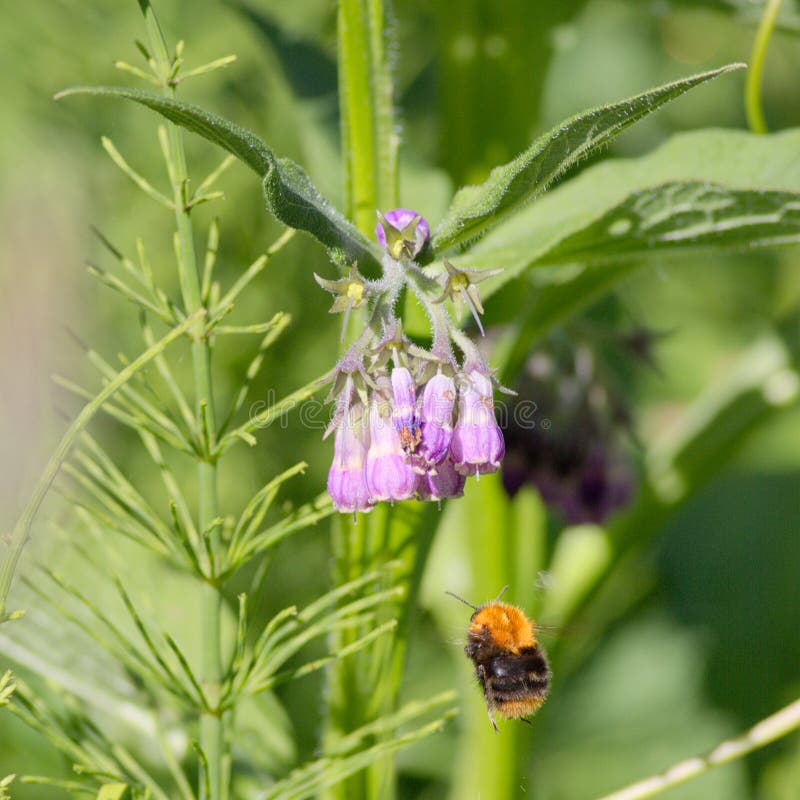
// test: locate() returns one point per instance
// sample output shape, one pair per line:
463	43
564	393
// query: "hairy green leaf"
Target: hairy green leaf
245	145
295	201
476	208
707	189
686	215
289	192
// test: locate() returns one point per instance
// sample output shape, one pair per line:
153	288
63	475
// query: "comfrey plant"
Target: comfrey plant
395	432
413	419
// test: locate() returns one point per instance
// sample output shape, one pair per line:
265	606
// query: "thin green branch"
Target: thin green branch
164	369
172	486
138	179
217	63
752	91
119	286
215	174
768	730
229	298
21	532
265	417
212	245
273	329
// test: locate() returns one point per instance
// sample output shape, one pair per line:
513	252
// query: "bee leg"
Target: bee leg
487	691
491	718
525	720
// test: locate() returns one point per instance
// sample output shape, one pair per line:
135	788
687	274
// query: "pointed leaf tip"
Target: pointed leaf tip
475	209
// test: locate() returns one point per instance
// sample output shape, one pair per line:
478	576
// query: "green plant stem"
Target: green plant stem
768	730
752	91
368	137
505	543
212	733
21	532
364	687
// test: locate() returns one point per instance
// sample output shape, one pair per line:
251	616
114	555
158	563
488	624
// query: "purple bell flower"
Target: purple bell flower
389	476
404	412
477	445
442	483
402	232
347	484
436	414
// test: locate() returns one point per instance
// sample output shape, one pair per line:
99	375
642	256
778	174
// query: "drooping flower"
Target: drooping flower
477	445
389	475
436	415
347	483
402	232
404	411
441	482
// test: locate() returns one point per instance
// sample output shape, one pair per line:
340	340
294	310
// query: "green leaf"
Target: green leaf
112	791
684	216
706	189
289	192
295	201
246	146
476	208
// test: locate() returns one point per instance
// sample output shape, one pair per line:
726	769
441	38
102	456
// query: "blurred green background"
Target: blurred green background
711	642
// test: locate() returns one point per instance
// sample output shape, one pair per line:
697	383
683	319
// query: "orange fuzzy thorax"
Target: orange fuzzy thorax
510	629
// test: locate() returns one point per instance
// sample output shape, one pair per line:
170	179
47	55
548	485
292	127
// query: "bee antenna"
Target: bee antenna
465	602
502	592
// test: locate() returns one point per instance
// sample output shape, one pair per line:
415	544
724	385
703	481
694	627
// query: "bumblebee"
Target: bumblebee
510	665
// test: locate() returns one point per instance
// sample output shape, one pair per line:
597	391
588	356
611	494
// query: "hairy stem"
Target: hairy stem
212	734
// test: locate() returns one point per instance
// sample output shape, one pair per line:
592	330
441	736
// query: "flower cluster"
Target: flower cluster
403	442
409	422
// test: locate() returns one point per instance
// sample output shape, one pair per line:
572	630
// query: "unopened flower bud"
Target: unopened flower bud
402	232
